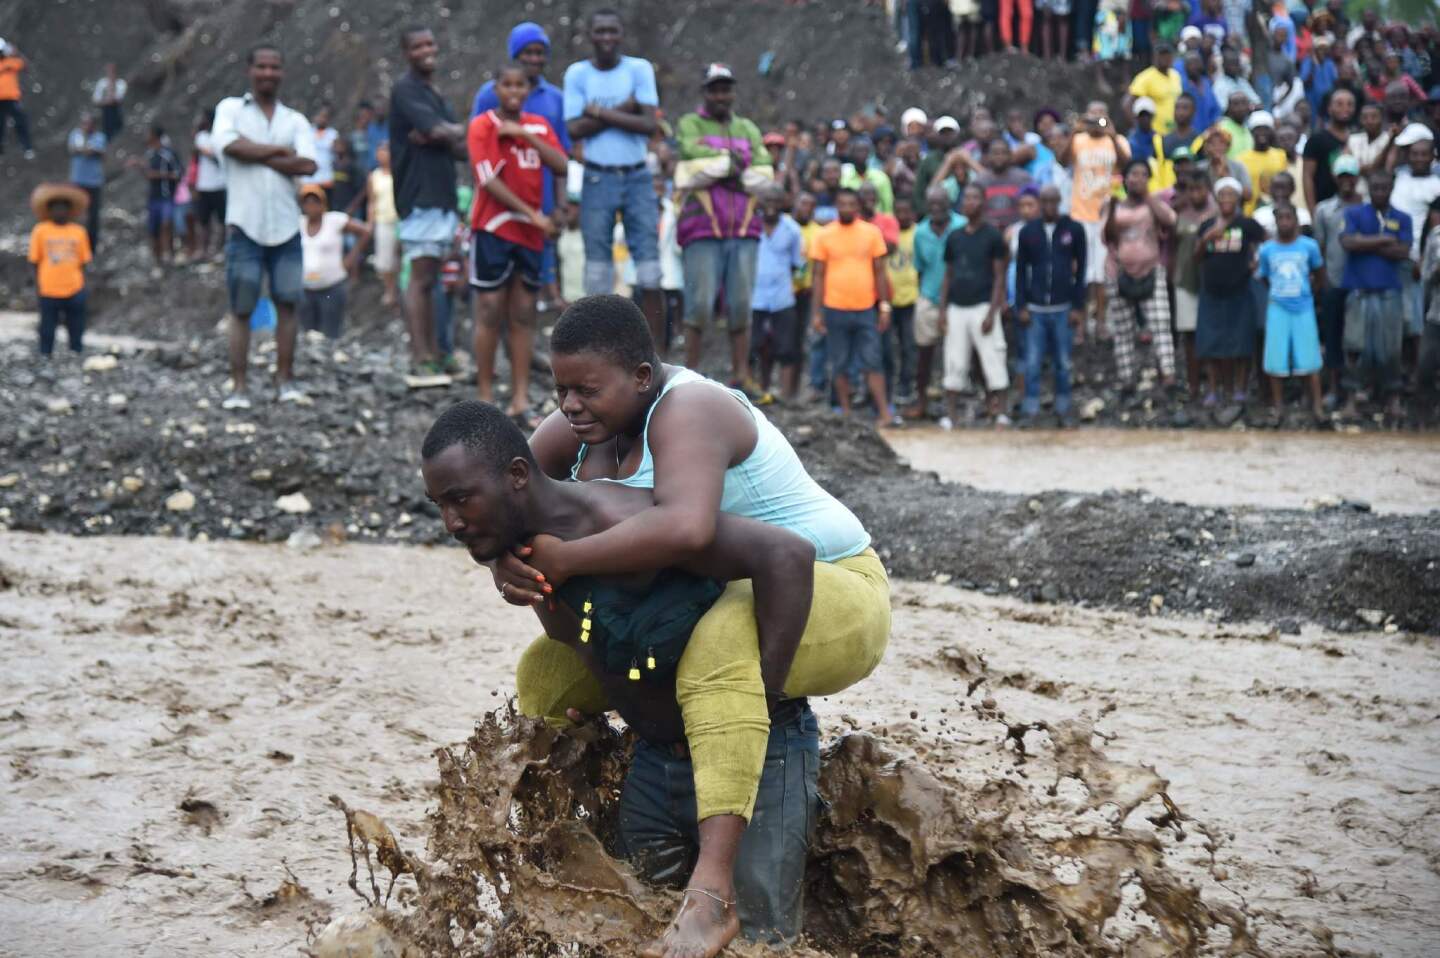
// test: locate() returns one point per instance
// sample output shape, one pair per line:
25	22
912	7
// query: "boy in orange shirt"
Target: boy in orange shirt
60	248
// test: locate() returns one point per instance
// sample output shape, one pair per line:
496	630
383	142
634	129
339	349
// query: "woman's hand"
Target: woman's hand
546	555
519	583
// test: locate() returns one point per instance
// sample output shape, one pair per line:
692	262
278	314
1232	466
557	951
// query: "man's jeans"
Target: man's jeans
715	264
69	312
1048	333
632	195
1380	322
661	836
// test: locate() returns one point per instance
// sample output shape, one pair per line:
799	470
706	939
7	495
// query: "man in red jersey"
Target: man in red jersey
508	152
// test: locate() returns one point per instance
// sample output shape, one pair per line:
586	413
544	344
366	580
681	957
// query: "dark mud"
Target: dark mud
1045	858
144	449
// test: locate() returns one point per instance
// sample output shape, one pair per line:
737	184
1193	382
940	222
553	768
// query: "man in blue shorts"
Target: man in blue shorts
264	146
610	107
530	47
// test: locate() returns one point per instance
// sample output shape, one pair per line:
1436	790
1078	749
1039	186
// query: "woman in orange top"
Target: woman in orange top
11	65
59	250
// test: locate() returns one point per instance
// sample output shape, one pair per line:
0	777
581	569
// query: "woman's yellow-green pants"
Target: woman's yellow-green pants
718	685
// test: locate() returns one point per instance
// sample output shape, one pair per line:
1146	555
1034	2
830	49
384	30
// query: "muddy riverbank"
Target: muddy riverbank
176	715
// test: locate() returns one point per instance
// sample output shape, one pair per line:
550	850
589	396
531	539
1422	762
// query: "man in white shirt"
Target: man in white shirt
265	146
1416	185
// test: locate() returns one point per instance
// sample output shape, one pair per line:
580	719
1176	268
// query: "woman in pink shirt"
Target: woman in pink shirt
1135	289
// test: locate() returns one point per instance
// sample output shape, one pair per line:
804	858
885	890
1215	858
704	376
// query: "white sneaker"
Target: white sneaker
235	400
292	393
1002	421
946	423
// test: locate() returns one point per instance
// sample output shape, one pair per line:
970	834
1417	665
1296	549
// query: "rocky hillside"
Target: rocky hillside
823	59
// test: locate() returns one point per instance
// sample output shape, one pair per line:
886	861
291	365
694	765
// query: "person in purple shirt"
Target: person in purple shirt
530	46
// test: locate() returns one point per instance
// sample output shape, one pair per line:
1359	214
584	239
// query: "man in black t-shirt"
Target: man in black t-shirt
1326	144
425	141
973	291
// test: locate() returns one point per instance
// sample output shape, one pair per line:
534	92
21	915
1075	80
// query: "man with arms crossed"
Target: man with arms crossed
265	147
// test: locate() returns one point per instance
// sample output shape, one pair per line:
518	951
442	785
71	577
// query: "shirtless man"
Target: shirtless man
478	468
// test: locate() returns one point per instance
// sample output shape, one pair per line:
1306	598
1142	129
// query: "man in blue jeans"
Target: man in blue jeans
425	142
529	46
851	304
610	104
1049	288
264	146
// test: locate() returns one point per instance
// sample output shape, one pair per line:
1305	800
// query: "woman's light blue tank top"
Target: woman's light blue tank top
771	485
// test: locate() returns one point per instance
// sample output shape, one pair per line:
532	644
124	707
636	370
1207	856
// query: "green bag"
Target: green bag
641	634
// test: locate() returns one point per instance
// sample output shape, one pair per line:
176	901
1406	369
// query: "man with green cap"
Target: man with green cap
722	159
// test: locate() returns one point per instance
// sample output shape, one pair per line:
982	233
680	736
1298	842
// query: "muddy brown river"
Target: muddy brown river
173	716
1284	470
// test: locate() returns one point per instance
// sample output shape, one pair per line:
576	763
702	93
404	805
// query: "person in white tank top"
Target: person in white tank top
701	450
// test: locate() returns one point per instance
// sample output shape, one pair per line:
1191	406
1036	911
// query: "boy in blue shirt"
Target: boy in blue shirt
1291	265
1376	239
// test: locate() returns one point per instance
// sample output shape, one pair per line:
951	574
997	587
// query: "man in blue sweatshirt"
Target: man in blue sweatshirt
1049	286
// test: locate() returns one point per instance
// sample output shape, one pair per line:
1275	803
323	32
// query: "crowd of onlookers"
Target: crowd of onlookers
1249	214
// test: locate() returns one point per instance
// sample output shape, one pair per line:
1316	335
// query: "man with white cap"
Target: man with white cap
1264	159
947	134
1416	186
914	122
1145	141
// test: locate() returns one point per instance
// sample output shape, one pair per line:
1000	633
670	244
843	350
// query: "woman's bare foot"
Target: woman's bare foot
702	928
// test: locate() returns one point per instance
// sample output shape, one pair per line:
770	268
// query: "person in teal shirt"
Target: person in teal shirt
1291	265
930	237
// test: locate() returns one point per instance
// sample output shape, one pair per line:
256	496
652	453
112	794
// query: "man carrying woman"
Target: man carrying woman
702	450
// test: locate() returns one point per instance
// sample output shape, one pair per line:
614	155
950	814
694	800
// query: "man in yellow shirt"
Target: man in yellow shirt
1264	159
59	250
1160	83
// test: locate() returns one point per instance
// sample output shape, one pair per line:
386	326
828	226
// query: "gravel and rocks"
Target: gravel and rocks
344	465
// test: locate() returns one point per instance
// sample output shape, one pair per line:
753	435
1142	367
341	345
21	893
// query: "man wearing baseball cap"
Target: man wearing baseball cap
1145	140
1264	159
947	134
723	162
530	47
